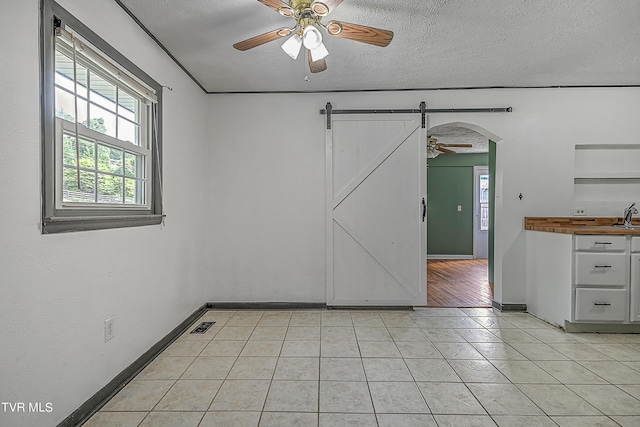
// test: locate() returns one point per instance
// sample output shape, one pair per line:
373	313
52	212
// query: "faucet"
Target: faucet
628	213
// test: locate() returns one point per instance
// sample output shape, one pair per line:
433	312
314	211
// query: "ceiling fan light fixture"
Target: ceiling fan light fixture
320	8
319	53
334	28
311	37
308	15
292	46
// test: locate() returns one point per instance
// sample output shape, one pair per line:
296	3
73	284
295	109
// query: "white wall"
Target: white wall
267	193
267	199
56	290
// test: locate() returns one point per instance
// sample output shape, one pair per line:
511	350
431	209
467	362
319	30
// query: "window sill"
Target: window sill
69	224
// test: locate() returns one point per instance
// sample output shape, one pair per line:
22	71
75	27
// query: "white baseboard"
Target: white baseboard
449	256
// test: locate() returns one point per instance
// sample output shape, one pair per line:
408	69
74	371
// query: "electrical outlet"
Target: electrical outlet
579	211
109	332
459	208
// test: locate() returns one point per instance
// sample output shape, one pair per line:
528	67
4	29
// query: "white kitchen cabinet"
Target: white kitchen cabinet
549	276
635	280
584	282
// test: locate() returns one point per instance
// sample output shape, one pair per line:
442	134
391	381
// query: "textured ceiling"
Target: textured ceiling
437	44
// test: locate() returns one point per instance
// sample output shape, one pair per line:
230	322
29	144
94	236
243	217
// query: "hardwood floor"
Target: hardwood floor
458	283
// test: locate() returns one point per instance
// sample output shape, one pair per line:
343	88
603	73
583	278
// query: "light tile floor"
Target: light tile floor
429	367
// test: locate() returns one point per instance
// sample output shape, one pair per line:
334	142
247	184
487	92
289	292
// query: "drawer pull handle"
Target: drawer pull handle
601	303
603	243
601	266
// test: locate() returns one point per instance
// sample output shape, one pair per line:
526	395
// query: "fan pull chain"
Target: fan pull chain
305	68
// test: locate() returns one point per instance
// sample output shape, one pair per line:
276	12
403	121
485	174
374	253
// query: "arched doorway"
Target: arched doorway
461	212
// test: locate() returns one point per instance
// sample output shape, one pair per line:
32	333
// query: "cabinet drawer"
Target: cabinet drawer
601	243
635	244
598	269
600	304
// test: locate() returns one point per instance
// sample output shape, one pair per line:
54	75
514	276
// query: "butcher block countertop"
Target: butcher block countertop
580	225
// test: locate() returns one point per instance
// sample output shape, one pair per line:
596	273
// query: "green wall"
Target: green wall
449	184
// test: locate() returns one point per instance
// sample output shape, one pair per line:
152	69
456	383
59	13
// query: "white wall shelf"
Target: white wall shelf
606	173
607	161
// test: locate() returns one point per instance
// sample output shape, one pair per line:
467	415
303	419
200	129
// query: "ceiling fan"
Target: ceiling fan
434	148
308	16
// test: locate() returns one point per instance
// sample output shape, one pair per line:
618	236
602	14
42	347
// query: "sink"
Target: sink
627	227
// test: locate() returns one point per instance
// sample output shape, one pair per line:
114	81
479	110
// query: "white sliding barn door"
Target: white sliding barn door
376	233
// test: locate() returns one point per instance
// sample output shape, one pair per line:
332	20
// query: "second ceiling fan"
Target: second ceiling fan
434	148
308	16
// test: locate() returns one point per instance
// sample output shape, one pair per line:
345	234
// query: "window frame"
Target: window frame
57	217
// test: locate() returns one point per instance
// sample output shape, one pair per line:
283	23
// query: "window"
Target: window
101	132
484	202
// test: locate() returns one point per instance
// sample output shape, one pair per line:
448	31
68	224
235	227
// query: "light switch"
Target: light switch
459	208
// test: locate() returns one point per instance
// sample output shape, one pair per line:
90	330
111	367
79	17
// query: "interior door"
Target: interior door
376	208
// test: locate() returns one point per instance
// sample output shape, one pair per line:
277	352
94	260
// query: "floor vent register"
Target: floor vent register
202	327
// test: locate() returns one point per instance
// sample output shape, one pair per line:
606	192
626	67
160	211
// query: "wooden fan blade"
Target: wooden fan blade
360	33
317	66
445	150
274	4
458	145
257	40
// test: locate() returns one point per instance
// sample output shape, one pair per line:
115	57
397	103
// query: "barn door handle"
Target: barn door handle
424	209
